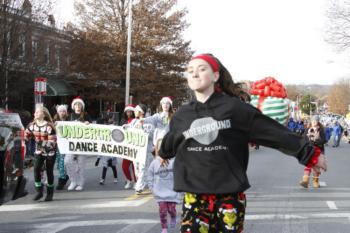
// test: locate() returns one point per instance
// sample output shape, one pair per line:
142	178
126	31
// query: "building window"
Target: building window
22	46
57	57
47	54
35	46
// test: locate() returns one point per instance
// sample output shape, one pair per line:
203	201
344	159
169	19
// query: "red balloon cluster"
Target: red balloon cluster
268	86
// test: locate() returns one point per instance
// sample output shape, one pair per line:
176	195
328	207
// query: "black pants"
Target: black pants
104	171
38	166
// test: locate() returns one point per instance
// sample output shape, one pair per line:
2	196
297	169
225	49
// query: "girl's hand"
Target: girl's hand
164	162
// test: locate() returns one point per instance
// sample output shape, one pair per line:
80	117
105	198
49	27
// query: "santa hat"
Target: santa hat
77	100
129	107
166	99
62	107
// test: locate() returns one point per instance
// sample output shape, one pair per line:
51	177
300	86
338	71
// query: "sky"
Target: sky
255	39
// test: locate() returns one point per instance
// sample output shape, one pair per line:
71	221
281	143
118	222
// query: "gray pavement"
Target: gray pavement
276	204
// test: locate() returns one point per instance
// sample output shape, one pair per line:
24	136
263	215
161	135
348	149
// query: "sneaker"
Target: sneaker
72	186
102	181
128	184
115	180
79	188
173	223
138	192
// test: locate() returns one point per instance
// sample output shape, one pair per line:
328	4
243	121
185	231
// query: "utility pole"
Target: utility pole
127	82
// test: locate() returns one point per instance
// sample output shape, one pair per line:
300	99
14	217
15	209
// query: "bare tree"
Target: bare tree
339	96
338	29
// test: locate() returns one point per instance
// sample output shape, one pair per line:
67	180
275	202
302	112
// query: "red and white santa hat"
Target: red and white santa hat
77	100
166	99
129	107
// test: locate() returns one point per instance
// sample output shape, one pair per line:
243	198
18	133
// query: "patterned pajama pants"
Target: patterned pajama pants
213	213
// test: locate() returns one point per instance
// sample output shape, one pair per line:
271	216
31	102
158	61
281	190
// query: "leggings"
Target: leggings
104	172
126	170
213	213
38	165
166	207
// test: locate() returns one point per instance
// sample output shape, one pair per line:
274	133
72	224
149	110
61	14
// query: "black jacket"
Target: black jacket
210	141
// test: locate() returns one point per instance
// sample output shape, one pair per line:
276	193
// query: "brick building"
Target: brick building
28	49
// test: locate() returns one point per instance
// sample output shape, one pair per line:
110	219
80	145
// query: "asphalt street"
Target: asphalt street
276	203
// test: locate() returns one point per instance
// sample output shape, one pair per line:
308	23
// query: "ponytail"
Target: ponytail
225	82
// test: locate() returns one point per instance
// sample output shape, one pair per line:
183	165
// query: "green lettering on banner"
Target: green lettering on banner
78	131
87	133
68	131
135	138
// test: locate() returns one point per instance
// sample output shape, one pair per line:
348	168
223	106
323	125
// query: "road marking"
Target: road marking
143	225
295	216
322	184
57	227
24	207
42	206
137	228
133	197
331	205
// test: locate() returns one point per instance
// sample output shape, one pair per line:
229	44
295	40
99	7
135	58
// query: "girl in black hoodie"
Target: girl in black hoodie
210	137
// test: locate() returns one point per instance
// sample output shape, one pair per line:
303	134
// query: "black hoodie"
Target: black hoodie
210	141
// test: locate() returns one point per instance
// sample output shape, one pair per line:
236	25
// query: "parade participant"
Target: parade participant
141	123
161	183
316	135
337	133
43	131
75	164
61	115
210	138
127	165
161	119
107	161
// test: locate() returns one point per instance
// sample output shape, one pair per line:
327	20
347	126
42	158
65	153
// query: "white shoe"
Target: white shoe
79	188
72	186
115	180
128	185
102	181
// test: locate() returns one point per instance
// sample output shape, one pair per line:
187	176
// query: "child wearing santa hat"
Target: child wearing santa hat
75	164
142	123
127	165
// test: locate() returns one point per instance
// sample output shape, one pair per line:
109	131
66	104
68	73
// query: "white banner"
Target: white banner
108	140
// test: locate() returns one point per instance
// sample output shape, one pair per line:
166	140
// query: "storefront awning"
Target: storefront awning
59	87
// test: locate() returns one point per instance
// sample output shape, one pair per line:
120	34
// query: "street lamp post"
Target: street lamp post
310	104
127	82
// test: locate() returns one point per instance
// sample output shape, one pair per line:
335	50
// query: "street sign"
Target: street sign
40	86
